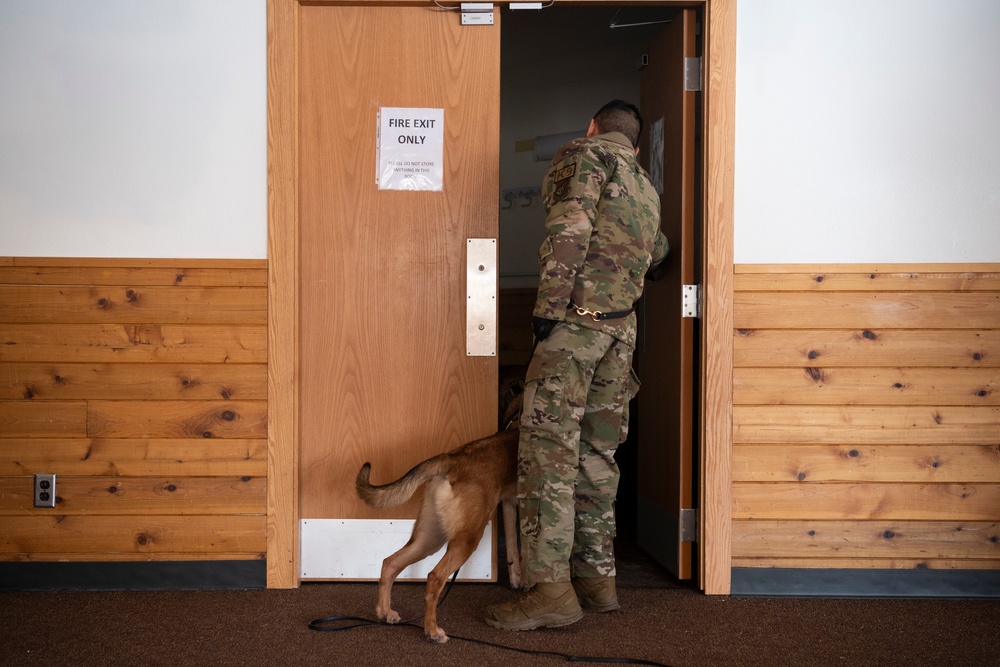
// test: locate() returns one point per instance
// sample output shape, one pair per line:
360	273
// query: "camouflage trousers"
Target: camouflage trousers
575	414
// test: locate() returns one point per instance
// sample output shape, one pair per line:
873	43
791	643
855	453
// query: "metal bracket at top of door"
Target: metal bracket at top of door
477	13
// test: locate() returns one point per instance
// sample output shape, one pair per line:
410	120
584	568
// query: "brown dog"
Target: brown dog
463	488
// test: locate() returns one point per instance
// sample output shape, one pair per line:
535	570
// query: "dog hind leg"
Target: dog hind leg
459	550
427	537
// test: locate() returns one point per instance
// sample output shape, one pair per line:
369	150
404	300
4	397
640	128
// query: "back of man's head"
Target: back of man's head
620	116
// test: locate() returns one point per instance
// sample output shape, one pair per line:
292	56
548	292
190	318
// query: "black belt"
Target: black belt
598	315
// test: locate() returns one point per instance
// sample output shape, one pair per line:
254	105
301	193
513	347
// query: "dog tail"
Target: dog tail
398	492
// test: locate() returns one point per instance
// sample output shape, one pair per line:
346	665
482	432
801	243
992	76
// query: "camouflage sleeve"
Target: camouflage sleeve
571	191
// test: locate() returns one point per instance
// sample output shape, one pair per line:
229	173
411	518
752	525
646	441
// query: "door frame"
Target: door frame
719	104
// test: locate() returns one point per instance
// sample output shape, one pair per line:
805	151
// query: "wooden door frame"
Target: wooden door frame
719	43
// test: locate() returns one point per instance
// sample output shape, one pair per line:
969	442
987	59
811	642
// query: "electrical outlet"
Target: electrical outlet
45	490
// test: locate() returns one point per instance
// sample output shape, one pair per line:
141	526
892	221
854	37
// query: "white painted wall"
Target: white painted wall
867	131
133	128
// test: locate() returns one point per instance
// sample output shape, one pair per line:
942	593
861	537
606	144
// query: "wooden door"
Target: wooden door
666	358
384	375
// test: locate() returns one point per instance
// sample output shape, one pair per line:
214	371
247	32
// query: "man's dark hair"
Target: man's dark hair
620	116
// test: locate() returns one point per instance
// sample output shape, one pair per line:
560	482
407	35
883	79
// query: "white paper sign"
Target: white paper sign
410	149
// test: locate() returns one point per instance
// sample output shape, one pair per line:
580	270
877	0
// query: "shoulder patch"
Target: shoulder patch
564	173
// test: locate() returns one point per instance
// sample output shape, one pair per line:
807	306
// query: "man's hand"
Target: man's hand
656	271
542	327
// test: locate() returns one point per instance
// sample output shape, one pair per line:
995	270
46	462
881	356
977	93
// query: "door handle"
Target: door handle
481	298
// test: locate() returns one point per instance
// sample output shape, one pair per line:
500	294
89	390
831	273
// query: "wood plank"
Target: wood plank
282	286
133	275
177	419
866	539
150	262
138	495
715	394
926	267
867	347
885	463
134	457
133	305
137	534
136	343
841	310
866	425
131	381
866	386
56	557
906	281
797	500
871	563
28	419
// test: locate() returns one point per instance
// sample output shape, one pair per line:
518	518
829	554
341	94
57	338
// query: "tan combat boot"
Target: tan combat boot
597	593
548	605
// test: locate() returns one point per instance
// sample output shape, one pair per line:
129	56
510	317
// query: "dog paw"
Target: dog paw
437	636
391	617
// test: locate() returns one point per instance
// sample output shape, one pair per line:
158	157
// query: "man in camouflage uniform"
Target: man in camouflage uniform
603	235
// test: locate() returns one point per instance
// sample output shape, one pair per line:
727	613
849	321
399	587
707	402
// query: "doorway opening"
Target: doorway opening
558	66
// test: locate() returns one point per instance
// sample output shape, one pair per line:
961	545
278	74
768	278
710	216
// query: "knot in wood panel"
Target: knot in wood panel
817	375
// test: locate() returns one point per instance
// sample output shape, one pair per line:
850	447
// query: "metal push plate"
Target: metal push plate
481	301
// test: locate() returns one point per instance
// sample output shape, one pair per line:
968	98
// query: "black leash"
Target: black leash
337	624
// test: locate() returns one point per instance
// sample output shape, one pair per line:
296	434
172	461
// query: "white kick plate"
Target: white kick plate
355	548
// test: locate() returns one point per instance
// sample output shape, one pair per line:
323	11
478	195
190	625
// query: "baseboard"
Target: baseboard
134	576
808	582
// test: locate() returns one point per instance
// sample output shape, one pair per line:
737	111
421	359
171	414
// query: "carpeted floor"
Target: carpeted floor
660	620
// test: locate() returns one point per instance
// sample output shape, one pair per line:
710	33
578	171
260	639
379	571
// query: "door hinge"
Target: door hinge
692	73
477	13
690	300
689	525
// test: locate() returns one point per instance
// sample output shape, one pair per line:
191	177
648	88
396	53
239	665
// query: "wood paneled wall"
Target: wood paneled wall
866	417
142	384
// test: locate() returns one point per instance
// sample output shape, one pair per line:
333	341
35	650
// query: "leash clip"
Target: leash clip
595	314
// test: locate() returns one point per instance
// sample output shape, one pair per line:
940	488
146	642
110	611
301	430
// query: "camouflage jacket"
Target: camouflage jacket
603	234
